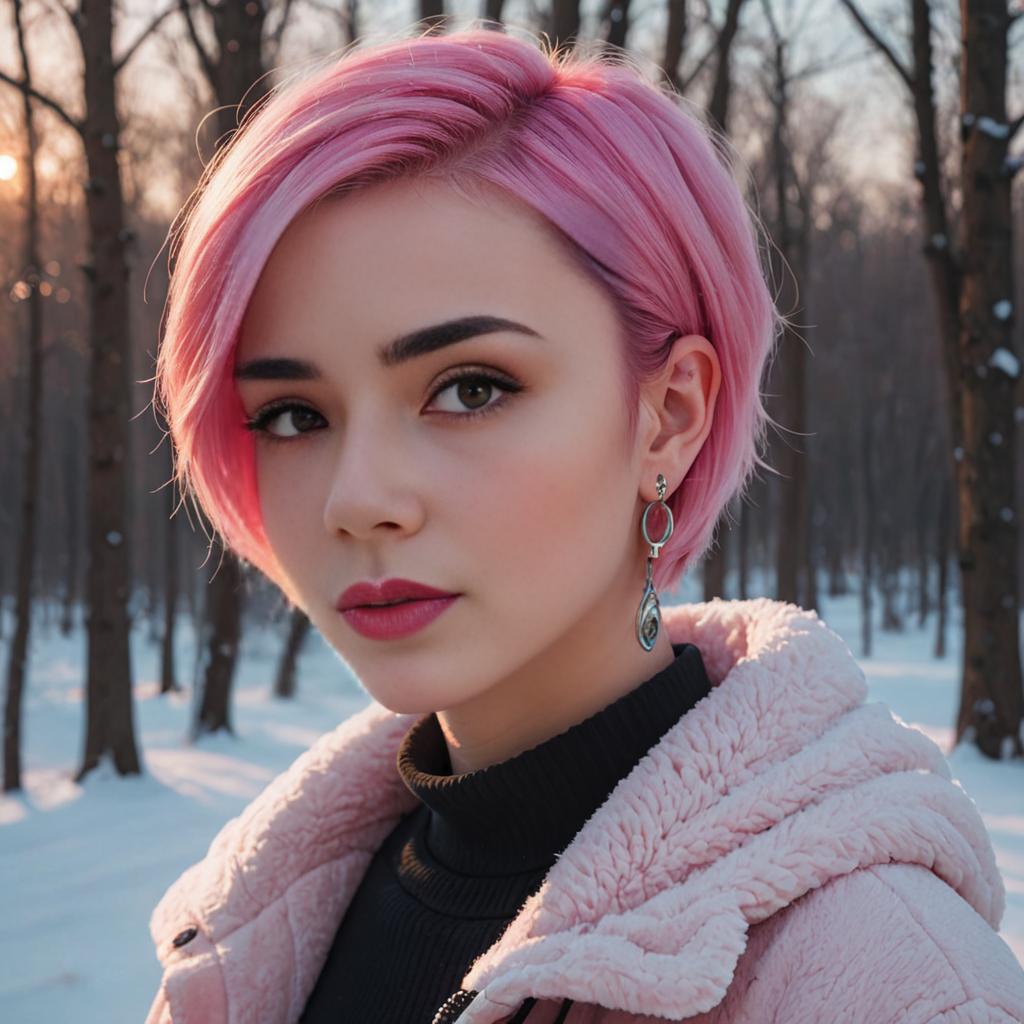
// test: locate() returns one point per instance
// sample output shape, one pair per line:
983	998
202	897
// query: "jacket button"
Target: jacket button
185	936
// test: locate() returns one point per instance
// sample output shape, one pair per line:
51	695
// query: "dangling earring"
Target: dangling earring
648	615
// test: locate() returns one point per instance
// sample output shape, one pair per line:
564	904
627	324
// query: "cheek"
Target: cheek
291	504
554	513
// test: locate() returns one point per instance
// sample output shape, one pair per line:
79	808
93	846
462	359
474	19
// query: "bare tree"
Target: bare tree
32	451
972	284
714	566
432	17
347	14
564	23
790	252
168	674
992	699
236	70
109	711
298	629
615	23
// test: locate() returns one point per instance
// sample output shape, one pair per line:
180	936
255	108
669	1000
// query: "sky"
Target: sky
873	144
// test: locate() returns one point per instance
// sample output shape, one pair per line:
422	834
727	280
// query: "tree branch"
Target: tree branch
71	13
698	67
204	58
830	64
280	27
879	43
46	101
709	22
143	36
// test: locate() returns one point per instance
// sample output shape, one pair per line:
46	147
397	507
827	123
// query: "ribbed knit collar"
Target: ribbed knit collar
517	815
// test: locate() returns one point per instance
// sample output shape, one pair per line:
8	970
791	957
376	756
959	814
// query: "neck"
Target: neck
596	663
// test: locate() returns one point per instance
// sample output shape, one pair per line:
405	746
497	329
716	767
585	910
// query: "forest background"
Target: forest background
880	142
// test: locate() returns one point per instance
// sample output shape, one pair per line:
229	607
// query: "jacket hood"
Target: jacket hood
780	779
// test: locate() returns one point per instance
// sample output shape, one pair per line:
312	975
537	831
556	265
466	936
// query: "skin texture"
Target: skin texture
531	513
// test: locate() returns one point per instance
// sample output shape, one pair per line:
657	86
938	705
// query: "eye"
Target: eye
280	410
472	390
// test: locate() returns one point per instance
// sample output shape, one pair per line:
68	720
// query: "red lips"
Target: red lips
385	591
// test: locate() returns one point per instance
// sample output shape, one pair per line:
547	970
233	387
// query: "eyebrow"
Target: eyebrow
400	350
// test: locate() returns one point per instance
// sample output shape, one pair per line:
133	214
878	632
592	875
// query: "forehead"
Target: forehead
398	240
355	270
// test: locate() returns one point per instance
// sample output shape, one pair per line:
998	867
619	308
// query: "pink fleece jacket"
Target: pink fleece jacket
786	854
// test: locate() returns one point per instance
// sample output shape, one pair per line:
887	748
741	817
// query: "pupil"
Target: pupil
478	386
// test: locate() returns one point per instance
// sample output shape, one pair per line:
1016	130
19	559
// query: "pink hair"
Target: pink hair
637	187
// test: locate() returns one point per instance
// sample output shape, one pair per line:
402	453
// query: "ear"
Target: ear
681	404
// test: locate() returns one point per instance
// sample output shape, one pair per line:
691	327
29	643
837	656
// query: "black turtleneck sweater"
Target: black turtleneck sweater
454	872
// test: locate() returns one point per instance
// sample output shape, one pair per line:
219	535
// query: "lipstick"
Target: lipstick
392	608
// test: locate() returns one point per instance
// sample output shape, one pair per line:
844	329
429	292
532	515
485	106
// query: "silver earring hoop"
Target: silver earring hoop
648	615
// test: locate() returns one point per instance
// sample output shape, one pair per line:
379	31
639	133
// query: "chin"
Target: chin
403	703
416	699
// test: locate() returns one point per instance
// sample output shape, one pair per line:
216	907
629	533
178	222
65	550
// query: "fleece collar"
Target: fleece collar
778	780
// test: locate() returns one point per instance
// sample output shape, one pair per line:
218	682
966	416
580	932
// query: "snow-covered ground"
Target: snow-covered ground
81	866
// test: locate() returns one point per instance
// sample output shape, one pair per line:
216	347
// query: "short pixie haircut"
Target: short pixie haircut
637	187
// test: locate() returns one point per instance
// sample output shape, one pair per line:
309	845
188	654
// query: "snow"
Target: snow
1005	360
83	865
990	126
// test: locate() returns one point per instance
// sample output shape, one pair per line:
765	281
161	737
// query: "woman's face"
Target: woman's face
514	489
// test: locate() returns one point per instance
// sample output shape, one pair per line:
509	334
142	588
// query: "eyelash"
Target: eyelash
258	423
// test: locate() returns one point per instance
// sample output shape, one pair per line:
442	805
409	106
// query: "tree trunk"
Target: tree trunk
743	553
220	640
565	23
284	683
32	450
790	542
718	106
942	545
676	35
867	510
615	23
168	677
992	701
810	592
715	564
110	714
73	539
237	75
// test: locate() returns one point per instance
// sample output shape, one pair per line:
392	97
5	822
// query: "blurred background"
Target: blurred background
153	685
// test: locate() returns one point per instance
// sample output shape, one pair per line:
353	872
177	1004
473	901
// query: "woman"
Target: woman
495	323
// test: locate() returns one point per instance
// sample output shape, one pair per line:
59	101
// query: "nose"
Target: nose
374	485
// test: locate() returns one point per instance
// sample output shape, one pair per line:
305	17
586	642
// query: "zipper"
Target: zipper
451	1009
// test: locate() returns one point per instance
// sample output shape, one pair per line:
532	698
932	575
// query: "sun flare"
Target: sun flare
8	167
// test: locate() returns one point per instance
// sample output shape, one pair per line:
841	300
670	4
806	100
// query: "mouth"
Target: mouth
388	593
393	620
